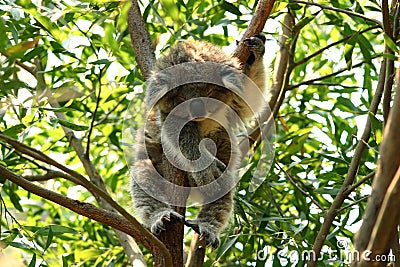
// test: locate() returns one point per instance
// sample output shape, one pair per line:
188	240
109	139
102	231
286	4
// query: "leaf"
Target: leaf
227	246
31	54
14	130
348	50
100	62
55	230
15	199
303	22
345	104
49	239
32	263
70	125
365	47
390	43
231	8
377	127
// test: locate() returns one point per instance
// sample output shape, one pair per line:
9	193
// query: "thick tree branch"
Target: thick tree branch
256	25
141	40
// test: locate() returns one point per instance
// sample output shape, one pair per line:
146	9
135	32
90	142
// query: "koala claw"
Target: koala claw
166	219
205	231
256	44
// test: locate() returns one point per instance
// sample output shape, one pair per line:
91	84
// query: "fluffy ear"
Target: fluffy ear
157	86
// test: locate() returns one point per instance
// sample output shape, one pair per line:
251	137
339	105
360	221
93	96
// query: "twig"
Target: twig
50	175
362	181
20	64
294	183
320	51
352	204
348	12
110	112
94	115
311	81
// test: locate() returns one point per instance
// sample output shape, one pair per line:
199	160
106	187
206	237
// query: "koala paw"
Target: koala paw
206	231
166	219
256	44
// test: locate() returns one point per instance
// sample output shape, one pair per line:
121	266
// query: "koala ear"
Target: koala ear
232	79
157	87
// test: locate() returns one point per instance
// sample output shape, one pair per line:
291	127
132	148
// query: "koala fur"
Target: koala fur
212	217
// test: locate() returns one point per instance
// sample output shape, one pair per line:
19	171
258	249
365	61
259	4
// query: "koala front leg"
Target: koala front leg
153	213
212	219
254	67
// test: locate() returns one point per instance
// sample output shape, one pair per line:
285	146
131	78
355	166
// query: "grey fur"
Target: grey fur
212	217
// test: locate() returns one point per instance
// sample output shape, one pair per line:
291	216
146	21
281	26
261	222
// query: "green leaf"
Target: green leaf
14	130
231	8
31	54
32	263
55	230
390	43
377	127
348	50
49	239
70	125
227	246
303	22
345	104
100	62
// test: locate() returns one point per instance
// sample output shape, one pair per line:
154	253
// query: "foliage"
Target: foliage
80	54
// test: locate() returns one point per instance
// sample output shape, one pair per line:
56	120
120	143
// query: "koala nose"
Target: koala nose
197	108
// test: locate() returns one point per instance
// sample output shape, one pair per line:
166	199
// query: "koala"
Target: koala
186	105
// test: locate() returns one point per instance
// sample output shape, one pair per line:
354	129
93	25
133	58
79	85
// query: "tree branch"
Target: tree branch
311	81
256	25
31	70
141	41
92	212
101	196
304	193
87	155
